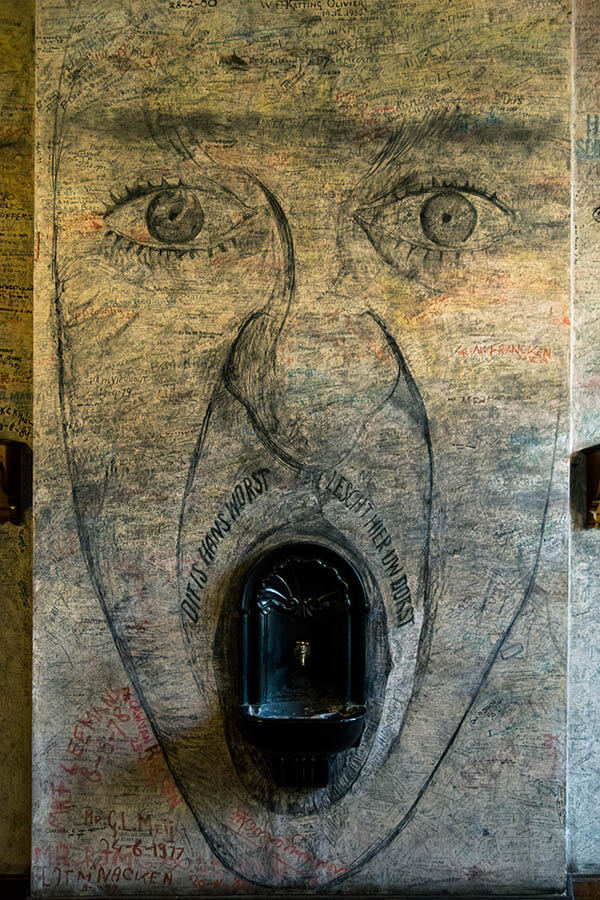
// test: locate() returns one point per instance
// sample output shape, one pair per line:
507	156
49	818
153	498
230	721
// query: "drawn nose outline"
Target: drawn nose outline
310	381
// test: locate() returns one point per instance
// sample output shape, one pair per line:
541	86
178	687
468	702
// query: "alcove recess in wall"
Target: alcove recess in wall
15	481
585	488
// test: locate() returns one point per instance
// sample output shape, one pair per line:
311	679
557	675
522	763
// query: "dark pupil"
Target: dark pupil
174	216
448	218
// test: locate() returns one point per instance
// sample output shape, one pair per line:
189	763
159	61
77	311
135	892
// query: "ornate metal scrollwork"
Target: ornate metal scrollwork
287	589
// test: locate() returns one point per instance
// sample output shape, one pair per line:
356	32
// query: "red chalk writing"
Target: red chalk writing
532	353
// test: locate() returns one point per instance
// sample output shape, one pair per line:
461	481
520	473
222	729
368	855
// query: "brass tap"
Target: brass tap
302	651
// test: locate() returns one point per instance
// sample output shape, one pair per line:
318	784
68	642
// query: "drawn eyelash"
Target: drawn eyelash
139	189
115	243
467	187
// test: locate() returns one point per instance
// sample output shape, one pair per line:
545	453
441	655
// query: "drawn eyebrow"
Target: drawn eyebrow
437	129
138	121
412	134
455	125
406	143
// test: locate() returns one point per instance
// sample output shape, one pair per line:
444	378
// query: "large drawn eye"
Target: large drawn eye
444	219
177	217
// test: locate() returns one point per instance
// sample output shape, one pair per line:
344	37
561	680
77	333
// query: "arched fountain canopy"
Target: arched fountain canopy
303	639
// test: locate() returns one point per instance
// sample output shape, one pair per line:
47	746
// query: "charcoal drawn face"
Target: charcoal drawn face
302	282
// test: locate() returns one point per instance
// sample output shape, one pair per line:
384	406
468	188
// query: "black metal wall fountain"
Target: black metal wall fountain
303	638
